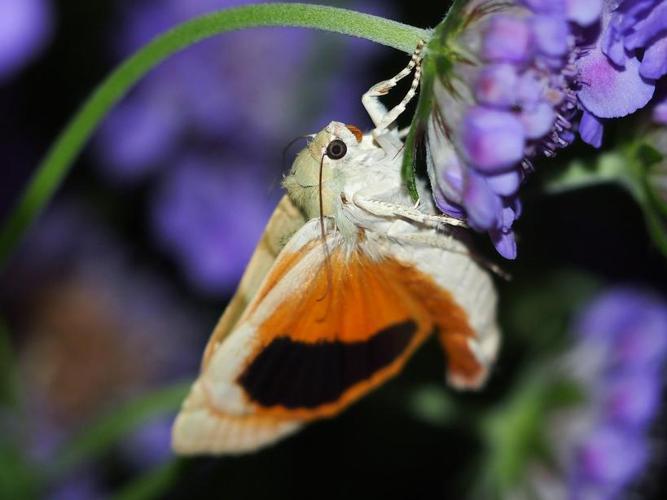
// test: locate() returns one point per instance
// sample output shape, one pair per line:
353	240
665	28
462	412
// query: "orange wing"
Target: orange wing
319	334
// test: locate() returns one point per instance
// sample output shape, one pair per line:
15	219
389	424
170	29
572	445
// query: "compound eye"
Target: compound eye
336	149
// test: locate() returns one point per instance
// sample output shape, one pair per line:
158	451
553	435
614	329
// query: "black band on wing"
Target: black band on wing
306	375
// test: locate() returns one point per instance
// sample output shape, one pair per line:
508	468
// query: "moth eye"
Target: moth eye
336	149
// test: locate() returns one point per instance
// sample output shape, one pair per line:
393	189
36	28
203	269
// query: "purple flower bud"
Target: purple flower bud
497	85
505	243
652	26
550	34
507	39
654	63
538	121
483	204
505	184
583	12
492	140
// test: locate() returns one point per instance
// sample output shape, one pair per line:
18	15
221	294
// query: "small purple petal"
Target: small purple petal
492	140
447	207
583	12
505	243
506	39
610	92
591	129
530	89
611	457
612	46
551	34
653	26
496	85
654	63
538	121
505	184
482	204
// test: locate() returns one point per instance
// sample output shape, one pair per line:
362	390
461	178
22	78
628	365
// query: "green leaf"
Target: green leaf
99	437
55	166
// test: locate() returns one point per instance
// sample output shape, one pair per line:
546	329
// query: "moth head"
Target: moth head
319	169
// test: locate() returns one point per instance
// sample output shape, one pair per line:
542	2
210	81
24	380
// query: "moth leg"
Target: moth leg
383	119
386	209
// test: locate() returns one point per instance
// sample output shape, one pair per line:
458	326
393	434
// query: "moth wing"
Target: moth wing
323	330
471	336
286	220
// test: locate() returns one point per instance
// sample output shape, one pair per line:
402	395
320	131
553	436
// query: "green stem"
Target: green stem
52	170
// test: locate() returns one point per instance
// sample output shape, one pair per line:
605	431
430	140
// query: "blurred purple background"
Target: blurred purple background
114	291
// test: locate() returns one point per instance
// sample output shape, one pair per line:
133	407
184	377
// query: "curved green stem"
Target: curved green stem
58	160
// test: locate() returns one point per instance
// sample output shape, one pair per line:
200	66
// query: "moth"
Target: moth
349	278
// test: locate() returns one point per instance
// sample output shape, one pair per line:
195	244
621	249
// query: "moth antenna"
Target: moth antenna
323	232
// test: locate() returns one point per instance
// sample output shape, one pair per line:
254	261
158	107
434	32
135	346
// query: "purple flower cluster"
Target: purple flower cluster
598	442
623	338
527	75
25	28
626	58
521	103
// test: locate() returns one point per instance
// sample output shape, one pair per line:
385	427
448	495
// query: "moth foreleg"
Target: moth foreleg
382	118
389	210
